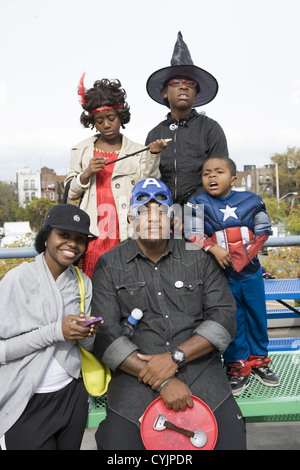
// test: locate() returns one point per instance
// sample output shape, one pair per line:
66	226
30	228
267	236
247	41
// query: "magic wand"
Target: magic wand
132	154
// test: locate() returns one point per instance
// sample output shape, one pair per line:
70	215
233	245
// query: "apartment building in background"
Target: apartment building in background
35	184
46	183
52	185
257	180
28	184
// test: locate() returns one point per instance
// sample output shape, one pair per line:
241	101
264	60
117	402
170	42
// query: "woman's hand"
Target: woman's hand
96	164
73	331
93	327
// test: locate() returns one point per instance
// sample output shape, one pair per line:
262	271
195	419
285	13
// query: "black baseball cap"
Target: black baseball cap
69	217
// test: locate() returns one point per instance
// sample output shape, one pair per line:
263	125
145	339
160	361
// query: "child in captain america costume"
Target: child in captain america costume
236	225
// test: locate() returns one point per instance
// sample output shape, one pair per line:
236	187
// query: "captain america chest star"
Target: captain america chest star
229	212
237	210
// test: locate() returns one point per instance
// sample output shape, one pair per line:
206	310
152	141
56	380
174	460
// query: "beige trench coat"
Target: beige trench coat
125	175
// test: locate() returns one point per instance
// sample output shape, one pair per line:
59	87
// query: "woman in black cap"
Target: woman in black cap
195	137
43	401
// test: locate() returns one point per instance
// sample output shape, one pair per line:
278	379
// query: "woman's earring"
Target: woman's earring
46	244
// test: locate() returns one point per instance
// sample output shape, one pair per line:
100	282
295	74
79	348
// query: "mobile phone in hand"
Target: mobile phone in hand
91	321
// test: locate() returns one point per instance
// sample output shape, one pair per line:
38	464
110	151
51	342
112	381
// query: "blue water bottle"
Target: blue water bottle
129	324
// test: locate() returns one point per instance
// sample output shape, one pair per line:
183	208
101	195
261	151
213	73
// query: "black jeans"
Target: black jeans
117	433
51	421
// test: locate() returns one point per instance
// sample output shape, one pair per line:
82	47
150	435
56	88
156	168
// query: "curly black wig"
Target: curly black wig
105	93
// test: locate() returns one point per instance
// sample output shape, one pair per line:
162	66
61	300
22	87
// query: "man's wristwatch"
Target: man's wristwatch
178	356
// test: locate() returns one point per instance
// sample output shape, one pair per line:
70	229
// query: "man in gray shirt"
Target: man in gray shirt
188	321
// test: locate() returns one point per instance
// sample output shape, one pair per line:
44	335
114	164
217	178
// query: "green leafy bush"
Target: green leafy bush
283	262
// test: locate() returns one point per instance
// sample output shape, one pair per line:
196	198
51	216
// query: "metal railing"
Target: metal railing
21	252
291	240
30	252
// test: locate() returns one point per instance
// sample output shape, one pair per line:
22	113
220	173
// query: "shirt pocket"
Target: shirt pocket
189	297
132	296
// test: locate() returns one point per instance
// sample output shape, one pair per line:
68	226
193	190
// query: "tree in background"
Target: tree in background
288	170
292	223
8	203
283	211
275	209
36	212
10	211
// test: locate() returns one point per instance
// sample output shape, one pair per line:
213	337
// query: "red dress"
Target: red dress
108	222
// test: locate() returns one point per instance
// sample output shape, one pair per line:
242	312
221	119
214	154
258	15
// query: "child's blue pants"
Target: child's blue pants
251	336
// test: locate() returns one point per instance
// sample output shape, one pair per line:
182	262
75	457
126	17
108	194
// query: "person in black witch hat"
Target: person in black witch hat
195	137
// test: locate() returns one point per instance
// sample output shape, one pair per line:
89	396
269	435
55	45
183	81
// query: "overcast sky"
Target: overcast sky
251	47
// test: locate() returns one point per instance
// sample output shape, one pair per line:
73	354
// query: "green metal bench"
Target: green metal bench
258	403
97	411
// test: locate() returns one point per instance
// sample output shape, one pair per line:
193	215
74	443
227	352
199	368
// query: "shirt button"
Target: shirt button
167	343
132	182
124	206
158	293
167	316
156	268
117	185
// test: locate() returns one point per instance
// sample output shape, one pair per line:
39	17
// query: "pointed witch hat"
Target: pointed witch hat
182	66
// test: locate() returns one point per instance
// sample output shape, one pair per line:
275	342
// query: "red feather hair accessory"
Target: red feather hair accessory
81	90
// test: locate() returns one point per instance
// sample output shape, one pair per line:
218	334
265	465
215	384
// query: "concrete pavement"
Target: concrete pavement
260	436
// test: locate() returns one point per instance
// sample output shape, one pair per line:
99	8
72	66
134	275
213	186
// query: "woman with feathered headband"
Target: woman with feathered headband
104	190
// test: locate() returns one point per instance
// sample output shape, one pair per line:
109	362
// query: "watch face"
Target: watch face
178	356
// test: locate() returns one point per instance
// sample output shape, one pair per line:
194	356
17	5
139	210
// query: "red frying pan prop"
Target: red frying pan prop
192	429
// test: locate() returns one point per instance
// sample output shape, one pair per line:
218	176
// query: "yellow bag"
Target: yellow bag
96	375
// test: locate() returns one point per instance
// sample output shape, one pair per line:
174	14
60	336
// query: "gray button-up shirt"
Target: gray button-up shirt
183	294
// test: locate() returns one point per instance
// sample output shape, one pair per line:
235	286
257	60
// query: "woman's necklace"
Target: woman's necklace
105	151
